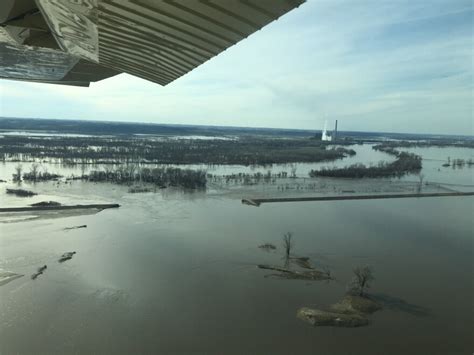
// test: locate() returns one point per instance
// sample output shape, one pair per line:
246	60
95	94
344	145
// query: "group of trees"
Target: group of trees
17	175
34	175
126	174
160	176
247	150
404	164
458	163
439	142
251	178
360	283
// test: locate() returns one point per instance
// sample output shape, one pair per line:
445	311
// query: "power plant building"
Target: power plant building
329	136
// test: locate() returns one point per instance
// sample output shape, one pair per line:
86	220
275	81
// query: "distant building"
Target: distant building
326	136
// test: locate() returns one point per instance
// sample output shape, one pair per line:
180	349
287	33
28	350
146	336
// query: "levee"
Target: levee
59	208
258	201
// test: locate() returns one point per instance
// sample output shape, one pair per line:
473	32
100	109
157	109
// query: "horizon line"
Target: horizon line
226	126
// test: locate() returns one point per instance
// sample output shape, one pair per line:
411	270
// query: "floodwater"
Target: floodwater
175	272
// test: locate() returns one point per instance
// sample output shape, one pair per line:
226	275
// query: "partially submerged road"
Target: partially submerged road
258	201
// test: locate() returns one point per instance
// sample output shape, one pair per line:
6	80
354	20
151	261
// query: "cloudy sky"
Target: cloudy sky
393	66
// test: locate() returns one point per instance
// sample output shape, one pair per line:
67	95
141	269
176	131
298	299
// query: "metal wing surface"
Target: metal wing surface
76	42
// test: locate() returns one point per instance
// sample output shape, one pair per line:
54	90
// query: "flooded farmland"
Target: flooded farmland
175	271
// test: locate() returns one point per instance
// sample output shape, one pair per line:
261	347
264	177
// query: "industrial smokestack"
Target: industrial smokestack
335	132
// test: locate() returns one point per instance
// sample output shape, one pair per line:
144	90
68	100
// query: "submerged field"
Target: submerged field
176	269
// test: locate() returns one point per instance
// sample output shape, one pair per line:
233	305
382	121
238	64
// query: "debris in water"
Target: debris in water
313	275
39	272
46	204
267	246
302	262
139	189
66	256
317	318
21	192
75	227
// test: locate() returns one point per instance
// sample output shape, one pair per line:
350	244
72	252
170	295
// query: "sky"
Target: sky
386	66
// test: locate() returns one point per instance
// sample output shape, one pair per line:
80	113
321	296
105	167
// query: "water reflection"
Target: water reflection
397	304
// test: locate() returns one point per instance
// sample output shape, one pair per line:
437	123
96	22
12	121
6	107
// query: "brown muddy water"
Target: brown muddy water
173	272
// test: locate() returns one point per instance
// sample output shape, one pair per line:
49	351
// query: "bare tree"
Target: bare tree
108	172
363	276
83	167
34	171
420	184
17	176
421	177
327	271
293	171
288	243
131	169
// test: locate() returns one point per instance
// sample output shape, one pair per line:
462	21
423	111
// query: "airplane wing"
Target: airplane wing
76	42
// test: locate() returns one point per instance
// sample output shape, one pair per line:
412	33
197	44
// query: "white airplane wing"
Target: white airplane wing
76	42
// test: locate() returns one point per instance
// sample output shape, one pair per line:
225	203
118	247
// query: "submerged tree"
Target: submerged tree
17	175
293	171
421	177
363	276
288	243
34	171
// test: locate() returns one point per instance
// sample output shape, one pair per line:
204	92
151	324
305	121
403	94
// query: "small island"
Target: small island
405	163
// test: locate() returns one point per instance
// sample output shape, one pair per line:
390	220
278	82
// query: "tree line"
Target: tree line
405	163
160	176
168	150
